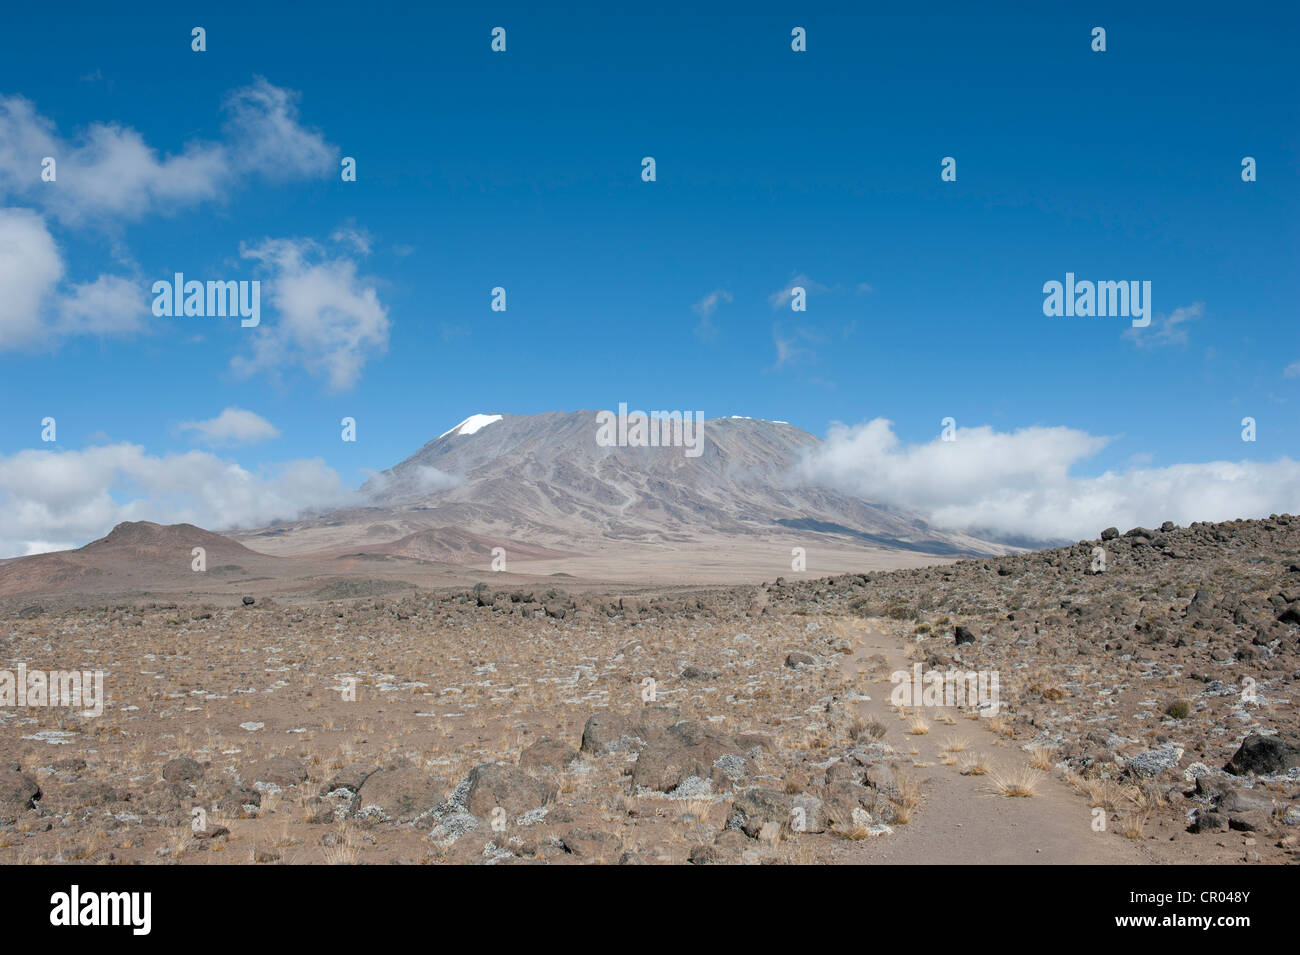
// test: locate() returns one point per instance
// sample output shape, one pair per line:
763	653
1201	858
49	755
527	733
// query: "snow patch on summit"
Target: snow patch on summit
475	422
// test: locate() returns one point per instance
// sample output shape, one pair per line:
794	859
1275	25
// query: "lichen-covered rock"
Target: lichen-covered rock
400	795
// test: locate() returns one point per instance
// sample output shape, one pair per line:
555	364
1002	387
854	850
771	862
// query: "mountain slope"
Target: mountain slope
545	478
137	554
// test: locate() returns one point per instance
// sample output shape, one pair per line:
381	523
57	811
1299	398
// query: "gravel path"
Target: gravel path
963	819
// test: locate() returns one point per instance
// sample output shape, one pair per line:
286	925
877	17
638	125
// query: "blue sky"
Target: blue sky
522	169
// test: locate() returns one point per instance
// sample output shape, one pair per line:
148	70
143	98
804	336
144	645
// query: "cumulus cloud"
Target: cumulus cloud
110	305
26	138
30	268
34	306
110	173
51	500
233	426
1018	485
331	321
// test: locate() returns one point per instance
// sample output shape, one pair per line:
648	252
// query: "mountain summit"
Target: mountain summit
547	478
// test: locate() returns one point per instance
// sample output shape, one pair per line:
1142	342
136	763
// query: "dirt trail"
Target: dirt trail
963	819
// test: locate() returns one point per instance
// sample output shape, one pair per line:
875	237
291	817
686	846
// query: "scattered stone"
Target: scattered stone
1203	820
1249	821
754	807
452	827
592	844
182	769
693	672
234	799
350	778
608	731
547	753
400	795
496	784
210	833
282	771
1154	761
319	811
688	750
18	791
1264	756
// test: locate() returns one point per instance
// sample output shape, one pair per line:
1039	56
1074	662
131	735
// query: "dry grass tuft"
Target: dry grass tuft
1001	726
1040	757
908	798
956	744
872	728
974	765
1019	783
1132	824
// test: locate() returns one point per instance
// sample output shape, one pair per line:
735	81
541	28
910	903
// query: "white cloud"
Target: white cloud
33	308
1019	484
423	479
1292	370
1166	330
110	305
115	174
55	499
233	426
30	268
428	478
110	173
267	138
26	138
330	319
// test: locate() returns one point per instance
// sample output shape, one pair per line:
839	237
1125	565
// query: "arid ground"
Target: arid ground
1145	713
